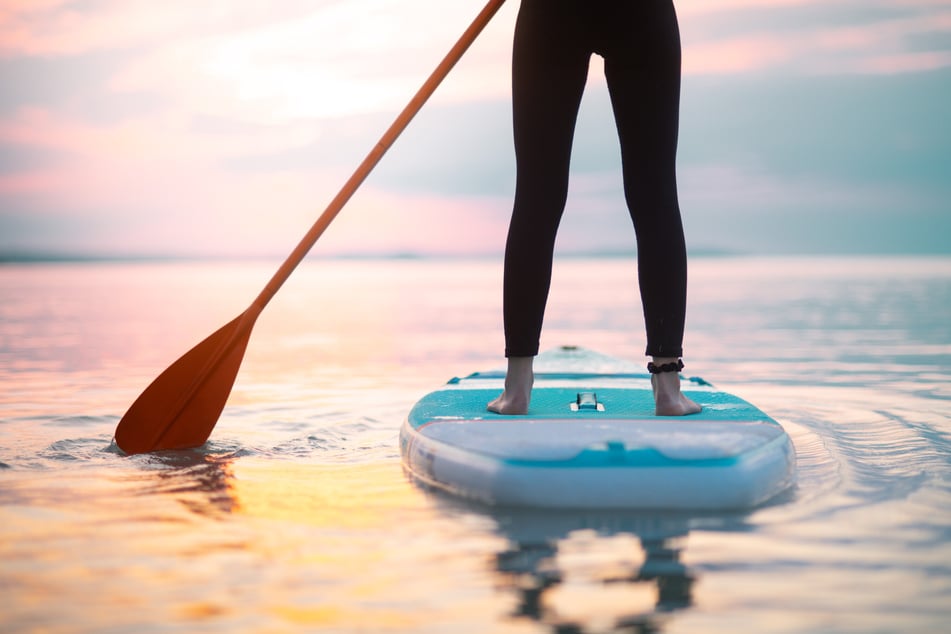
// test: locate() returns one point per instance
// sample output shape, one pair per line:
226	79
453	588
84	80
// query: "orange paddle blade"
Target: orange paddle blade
181	406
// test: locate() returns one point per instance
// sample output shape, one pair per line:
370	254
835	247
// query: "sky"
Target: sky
135	127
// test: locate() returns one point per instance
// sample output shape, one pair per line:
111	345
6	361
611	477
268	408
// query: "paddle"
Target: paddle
179	409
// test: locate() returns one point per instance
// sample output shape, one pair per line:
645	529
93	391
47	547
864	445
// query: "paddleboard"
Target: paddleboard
591	440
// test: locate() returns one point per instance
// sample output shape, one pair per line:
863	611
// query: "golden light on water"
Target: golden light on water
331	529
343	496
352	618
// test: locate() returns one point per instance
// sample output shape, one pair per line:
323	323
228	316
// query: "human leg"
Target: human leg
643	73
549	70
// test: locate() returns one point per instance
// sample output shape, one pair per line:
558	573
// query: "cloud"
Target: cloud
903	63
382	221
798	37
50	28
267	63
225	127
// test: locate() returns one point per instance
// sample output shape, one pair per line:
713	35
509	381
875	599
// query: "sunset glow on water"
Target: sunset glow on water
297	516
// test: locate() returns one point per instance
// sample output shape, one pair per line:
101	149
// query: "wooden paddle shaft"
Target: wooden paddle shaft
415	104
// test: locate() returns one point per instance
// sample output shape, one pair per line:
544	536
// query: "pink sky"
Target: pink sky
209	83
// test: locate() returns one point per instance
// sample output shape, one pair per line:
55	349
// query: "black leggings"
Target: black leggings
640	43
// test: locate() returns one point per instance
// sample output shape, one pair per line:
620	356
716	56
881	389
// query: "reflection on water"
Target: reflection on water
296	516
586	574
202	484
568	572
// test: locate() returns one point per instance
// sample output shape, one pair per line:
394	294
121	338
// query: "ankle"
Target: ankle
520	371
664	365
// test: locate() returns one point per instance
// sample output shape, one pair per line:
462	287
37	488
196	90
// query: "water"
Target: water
296	516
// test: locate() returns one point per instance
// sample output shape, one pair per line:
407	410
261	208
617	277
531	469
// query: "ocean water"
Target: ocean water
296	516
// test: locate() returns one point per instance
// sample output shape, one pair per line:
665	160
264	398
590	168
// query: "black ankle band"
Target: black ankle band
673	366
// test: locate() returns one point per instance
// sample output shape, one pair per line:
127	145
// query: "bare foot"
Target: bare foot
668	399
519	378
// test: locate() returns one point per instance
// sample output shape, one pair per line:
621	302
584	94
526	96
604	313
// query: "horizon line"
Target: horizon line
65	257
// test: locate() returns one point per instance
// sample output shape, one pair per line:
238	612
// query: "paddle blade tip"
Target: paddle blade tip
180	408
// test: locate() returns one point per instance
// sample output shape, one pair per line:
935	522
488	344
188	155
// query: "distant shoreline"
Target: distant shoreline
64	258
15	258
